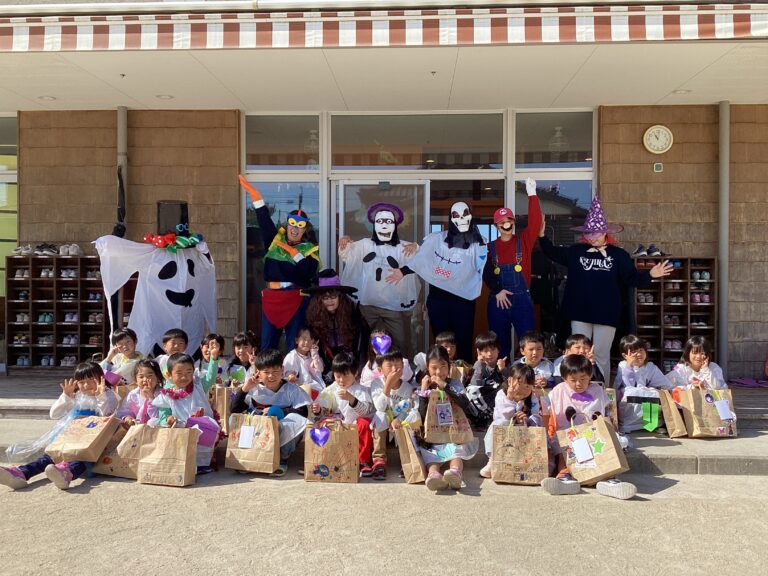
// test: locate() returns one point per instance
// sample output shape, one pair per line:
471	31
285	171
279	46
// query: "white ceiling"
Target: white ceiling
390	79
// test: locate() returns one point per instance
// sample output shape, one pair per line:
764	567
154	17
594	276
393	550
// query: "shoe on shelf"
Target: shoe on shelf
564	486
75	250
615	488
705	275
64	250
705	298
640	251
12	477
654	251
59	474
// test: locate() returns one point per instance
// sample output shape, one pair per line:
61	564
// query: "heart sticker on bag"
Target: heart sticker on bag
320	435
381	343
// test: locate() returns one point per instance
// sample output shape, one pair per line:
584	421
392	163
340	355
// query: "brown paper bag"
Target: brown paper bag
263	454
458	432
121	456
702	419
168	456
673	420
612	409
597	445
221	401
123	389
519	454
330	452
410	459
83	439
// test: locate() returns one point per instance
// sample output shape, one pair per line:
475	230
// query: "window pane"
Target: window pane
282	142
420	142
564	203
483	197
9	196
553	140
7	144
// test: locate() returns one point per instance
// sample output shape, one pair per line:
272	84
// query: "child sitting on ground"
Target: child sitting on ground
303	365
460	370
486	380
434	455
137	408
269	394
696	370
86	394
579	344
348	401
175	341
532	352
371	370
243	357
578	400
122	356
201	366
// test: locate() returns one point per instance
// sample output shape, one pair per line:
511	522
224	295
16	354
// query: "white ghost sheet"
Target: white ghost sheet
173	290
366	265
455	270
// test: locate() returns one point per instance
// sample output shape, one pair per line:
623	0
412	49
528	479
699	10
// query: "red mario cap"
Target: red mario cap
501	214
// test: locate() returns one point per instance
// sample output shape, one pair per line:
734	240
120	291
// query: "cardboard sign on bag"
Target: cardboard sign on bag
703	411
253	444
412	464
168	456
84	439
438	429
331	453
519	454
592	451
121	456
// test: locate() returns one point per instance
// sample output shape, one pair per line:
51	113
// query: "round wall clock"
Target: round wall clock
657	139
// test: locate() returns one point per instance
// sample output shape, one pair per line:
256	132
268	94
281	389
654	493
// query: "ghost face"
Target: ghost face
461	216
384	225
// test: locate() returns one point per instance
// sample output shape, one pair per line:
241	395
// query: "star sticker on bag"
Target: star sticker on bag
598	446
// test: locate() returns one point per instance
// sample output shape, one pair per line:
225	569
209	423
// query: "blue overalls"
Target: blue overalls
520	313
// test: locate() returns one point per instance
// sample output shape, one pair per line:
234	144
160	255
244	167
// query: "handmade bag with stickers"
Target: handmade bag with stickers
640	409
412	464
519	454
592	451
221	401
121	456
708	413
445	421
253	444
330	452
168	456
84	439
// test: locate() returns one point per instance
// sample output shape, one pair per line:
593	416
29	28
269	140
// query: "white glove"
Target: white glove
530	186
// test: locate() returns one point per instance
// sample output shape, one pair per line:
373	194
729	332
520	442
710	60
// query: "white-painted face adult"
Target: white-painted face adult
461	216
384	225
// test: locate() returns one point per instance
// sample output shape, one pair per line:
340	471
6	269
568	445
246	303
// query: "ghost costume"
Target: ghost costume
174	290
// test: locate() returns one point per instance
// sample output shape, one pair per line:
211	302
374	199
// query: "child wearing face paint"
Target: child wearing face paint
381	341
183	401
201	366
137	408
242	361
303	365
579	344
435	455
175	341
577	400
348	401
122	357
486	380
696	370
86	394
290	264
270	394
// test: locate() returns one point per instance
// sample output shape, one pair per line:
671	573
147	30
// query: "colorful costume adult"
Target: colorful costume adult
290	264
376	266
508	271
452	263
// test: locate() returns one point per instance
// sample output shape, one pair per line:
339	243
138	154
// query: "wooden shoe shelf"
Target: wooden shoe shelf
682	305
40	311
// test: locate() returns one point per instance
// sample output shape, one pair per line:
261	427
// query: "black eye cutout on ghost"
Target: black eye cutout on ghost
168	271
190	267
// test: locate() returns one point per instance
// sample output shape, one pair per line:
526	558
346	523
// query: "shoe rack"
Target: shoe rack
673	309
55	311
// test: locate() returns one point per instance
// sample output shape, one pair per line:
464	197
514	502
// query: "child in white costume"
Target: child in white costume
303	365
371	370
695	369
137	408
122	357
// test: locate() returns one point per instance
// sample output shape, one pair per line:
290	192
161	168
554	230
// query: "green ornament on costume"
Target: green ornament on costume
277	253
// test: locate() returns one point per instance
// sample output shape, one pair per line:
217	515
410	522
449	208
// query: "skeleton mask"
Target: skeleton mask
384	225
461	216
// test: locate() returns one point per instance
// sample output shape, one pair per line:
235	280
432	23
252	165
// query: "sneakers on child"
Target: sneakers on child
59	474
366	470
453	477
281	470
379	469
562	486
12	477
485	471
436	482
615	488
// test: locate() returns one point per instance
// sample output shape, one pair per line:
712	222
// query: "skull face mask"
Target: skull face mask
384	225
461	216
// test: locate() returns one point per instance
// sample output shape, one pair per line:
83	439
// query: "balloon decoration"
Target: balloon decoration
173	242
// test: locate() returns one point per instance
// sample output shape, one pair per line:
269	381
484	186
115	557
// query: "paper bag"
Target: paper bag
441	427
592	451
84	439
221	401
611	410
121	456
703	411
253	444
168	456
519	454
330	452
123	389
673	420
410	459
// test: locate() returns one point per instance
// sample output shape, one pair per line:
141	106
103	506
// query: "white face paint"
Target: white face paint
461	216
384	225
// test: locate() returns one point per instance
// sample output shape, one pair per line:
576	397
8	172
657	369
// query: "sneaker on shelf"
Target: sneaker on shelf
667	344
677	344
23	295
654	251
44	361
19	318
705	299
705	275
640	251
649	298
17	251
12	477
100	317
75	250
19	274
64	250
485	471
563	486
616	489
695	275
59	474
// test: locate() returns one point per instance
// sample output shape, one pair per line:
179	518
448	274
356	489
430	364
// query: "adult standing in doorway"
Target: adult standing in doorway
507	272
597	271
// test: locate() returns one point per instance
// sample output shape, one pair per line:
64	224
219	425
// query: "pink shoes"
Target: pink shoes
12	477
59	474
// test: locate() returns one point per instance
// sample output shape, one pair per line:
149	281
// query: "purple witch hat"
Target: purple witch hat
595	222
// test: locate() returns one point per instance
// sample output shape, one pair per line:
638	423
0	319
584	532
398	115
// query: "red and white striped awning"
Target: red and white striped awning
459	27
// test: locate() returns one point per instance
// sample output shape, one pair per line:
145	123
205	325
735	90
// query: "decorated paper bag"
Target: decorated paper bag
592	451
221	401
519	454
673	420
253	444
121	456
612	411
330	452
123	389
410	459
83	439
708	413
167	456
640	409
445	422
